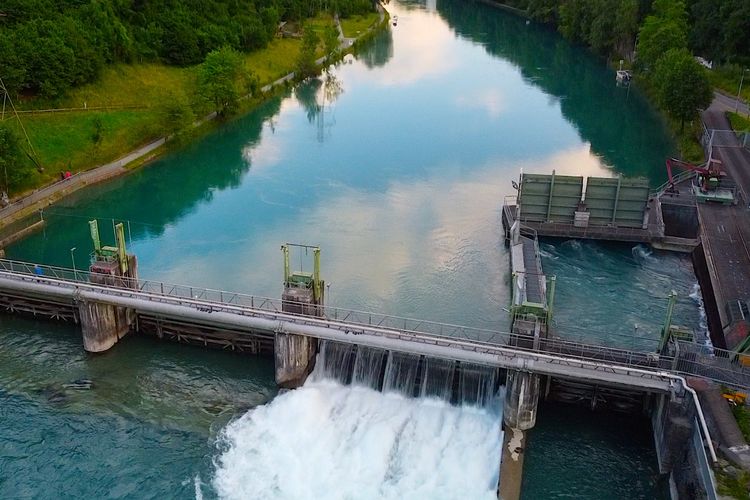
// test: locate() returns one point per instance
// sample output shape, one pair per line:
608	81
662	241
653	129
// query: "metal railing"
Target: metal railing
676	179
688	359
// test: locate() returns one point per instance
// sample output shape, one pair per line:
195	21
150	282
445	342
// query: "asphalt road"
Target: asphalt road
725	103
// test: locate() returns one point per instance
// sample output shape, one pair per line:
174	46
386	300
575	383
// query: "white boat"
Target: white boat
624	76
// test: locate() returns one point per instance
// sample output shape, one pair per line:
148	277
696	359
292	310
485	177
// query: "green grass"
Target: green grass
742	415
357	25
731	486
64	141
688	141
275	61
133	85
727	78
739	122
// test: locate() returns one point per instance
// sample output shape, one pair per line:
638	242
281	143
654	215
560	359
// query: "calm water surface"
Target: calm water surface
396	165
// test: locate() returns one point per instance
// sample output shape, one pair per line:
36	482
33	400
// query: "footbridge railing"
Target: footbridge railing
552	356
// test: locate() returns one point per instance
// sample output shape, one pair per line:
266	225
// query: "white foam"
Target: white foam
325	440
643	254
697	296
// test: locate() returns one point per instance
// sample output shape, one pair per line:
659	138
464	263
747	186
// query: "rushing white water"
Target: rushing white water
327	440
696	295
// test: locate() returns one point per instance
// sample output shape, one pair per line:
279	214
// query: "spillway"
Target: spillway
368	424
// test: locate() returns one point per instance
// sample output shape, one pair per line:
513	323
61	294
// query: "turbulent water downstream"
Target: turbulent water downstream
385	444
396	165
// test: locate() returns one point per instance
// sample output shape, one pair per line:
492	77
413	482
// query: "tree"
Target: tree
331	41
12	167
666	29
218	80
98	134
543	10
175	114
306	58
574	20
682	85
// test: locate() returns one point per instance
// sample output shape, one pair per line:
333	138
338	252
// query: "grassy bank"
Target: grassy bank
64	141
83	139
358	25
727	79
740	123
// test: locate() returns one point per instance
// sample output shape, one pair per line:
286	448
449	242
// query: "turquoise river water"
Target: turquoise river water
396	164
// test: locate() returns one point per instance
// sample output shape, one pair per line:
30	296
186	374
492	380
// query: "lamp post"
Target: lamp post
73	259
739	91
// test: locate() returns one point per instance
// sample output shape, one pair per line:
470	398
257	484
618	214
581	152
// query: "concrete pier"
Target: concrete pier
103	325
519	415
295	359
521	397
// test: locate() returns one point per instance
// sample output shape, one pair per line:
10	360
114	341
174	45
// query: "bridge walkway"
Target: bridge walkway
533	267
252	315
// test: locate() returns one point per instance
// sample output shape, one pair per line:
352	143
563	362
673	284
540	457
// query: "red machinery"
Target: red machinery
708	174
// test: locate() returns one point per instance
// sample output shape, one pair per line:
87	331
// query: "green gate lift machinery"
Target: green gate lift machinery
531	308
301	279
107	253
673	331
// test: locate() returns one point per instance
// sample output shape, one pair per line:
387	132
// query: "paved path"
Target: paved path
725	103
77	181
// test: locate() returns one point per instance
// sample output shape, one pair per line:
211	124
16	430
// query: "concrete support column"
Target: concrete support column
103	324
295	359
673	428
519	415
521	397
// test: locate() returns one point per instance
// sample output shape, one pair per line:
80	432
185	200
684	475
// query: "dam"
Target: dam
407	214
417	357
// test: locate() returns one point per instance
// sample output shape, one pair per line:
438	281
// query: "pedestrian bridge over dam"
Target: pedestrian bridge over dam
246	323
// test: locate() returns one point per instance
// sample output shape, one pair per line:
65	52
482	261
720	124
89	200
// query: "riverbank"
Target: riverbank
687	137
27	203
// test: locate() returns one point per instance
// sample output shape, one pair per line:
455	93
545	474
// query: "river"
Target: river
396	164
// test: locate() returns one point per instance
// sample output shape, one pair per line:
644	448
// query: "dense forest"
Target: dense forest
718	30
48	46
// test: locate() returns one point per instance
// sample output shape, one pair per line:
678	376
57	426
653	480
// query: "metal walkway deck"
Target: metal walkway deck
645	371
534	274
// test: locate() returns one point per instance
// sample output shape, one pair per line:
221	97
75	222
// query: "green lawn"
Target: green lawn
133	85
740	123
727	78
357	25
275	61
64	140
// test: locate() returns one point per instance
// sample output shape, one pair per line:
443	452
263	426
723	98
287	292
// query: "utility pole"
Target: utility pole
72	258
33	155
739	91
